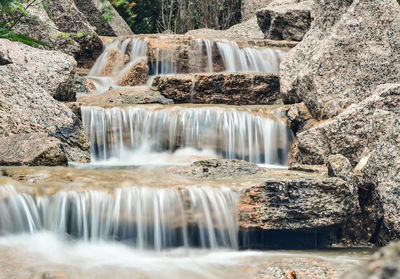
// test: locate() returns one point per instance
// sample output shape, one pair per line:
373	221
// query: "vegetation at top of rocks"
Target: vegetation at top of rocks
10	35
106	11
178	16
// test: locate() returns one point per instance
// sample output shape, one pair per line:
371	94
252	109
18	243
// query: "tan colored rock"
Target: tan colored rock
137	74
53	70
250	7
352	47
33	149
27	108
359	127
93	11
125	96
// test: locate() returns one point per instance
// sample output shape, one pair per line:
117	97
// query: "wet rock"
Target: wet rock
54	71
321	169
220	168
33	149
81	83
359	127
285	19
306	203
229	88
94	11
339	166
26	107
250	7
137	75
126	96
67	17
384	265
352	47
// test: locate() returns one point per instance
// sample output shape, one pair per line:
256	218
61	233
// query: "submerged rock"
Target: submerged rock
54	71
352	47
285	19
221	88
126	96
26	108
384	265
220	168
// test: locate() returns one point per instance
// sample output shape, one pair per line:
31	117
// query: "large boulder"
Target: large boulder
70	20
352	47
27	108
297	204
33	149
53	71
285	19
353	131
221	88
37	25
102	15
381	174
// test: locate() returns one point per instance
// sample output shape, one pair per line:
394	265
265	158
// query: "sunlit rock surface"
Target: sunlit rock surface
352	47
285	19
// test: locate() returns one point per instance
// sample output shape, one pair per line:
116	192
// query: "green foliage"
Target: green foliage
152	16
10	35
106	11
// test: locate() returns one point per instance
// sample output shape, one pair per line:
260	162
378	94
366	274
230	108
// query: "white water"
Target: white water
205	56
146	218
120	133
127	53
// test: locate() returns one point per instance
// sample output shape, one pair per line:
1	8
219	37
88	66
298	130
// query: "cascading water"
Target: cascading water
226	132
147	218
204	56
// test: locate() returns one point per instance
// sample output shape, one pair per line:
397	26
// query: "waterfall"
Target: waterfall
249	59
203	56
230	133
117	60
146	218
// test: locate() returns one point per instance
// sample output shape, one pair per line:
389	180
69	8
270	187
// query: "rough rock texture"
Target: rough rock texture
352	47
285	19
33	149
69	19
339	166
299	119
227	88
37	24
381	173
25	108
385	264
53	70
297	204
125	96
247	29
250	7
94	12
220	168
137	75
359	127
